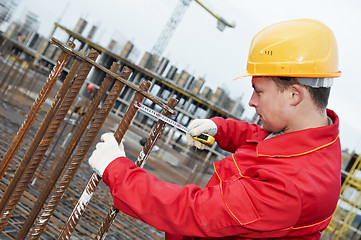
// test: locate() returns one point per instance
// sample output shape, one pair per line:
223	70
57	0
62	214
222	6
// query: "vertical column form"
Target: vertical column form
30	117
78	156
94	180
140	162
66	154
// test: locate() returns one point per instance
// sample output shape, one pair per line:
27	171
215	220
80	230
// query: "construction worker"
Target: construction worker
282	180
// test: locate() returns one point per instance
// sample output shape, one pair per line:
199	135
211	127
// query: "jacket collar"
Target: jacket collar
302	142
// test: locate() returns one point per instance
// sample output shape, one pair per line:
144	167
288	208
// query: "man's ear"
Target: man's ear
297	94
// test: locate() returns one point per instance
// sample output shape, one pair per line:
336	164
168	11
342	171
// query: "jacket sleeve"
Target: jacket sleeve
231	134
221	210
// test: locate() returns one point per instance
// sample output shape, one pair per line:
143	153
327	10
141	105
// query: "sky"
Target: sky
198	47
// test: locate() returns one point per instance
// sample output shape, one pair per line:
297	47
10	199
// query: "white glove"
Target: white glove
198	126
105	152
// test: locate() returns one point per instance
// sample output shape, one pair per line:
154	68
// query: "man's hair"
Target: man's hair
319	95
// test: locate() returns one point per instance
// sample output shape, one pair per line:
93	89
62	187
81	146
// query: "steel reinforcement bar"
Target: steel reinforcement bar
66	155
31	116
140	162
43	138
94	180
78	156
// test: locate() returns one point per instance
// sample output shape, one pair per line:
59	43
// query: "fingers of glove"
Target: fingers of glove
121	146
199	126
192	142
100	145
199	145
109	138
107	141
93	158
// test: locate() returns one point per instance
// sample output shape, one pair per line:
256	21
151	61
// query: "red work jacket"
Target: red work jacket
283	187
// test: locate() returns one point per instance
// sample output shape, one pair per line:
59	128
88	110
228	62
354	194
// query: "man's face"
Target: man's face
270	104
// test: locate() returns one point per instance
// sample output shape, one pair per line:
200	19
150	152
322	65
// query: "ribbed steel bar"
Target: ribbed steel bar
4	80
141	160
30	151
49	155
129	84
34	76
21	79
94	180
31	116
78	156
13	78
51	181
42	140
5	63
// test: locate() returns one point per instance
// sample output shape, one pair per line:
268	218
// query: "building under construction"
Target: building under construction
50	120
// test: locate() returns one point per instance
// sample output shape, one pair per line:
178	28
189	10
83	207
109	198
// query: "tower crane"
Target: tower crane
174	20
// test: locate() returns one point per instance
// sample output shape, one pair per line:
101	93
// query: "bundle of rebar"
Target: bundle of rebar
19	168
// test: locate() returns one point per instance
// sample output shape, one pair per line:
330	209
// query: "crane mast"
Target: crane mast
170	27
173	22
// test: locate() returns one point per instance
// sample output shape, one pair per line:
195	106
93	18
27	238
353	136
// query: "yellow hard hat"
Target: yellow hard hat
297	48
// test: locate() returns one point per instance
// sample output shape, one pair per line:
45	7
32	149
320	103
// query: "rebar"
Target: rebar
42	140
129	84
78	156
141	160
21	79
4	80
65	157
31	116
94	180
13	78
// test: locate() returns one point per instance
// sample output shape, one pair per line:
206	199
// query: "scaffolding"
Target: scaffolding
346	220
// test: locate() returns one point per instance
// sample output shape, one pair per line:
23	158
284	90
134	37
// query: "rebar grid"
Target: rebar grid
140	162
48	130
95	179
31	116
78	156
83	147
5	78
66	155
9	200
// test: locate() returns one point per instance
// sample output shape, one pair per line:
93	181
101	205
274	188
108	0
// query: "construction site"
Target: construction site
58	97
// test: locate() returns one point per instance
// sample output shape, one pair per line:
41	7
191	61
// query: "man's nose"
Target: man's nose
252	101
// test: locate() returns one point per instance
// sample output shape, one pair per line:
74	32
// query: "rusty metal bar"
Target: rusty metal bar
42	139
21	79
12	78
94	180
129	84
140	162
6	211
49	154
4	80
65	157
35	75
31	116
78	156
5	63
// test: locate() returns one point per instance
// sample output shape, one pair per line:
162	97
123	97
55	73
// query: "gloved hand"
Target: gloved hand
198	126
105	152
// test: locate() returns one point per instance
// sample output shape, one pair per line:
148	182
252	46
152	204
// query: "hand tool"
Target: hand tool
203	137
